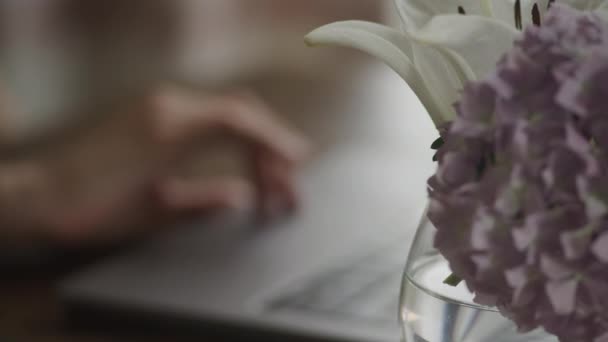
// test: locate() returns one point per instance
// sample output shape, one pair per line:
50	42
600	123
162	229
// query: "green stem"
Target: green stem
453	280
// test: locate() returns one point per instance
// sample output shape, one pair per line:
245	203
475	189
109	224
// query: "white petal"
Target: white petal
526	11
385	43
478	40
416	13
440	77
504	10
487	8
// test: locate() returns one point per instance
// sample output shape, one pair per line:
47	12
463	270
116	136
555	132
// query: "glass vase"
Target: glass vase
431	311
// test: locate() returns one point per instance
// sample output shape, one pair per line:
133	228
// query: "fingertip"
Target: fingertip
304	150
237	199
293	149
205	195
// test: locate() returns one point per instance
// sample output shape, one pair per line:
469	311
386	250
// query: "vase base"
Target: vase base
434	312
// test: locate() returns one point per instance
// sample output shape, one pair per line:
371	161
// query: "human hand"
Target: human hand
125	174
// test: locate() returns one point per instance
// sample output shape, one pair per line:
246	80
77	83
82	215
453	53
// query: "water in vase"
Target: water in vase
434	312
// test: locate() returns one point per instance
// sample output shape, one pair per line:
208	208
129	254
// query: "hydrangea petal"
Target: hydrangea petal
525	236
601	338
562	295
575	244
599	248
517	277
485	299
594	206
553	269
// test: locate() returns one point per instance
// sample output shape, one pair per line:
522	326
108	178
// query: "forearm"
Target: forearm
24	188
9	138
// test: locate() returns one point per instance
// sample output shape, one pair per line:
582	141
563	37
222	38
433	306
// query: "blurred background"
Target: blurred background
65	64
59	56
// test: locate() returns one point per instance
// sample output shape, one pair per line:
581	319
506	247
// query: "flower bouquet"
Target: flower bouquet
519	202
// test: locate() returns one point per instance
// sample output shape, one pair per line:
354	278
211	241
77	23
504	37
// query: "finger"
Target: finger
74	227
281	178
99	220
276	190
251	119
264	191
204	196
82	225
244	117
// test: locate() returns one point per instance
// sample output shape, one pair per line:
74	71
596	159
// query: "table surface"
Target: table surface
30	310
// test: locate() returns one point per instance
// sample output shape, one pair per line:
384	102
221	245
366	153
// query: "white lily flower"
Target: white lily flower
417	13
439	49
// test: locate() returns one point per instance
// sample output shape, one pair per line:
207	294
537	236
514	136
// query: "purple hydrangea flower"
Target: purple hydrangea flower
520	197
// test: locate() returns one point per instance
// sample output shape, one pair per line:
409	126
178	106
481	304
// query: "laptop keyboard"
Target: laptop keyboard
366	289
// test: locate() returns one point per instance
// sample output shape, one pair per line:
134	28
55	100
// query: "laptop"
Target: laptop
330	272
